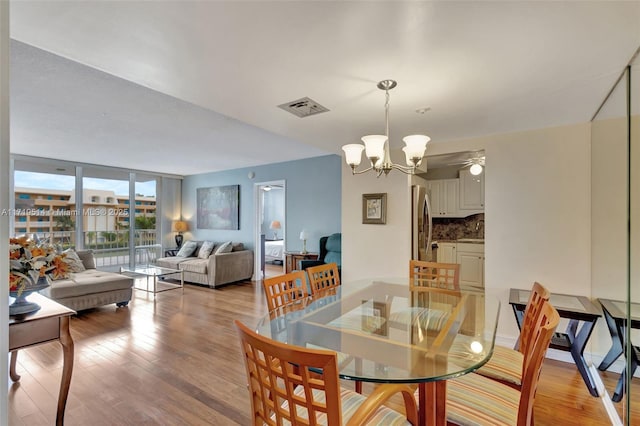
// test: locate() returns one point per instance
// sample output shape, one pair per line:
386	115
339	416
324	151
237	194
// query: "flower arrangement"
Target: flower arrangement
29	261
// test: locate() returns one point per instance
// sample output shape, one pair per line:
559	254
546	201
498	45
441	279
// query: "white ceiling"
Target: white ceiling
218	70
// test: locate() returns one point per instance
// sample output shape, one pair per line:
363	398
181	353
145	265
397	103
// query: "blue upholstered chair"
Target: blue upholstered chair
330	251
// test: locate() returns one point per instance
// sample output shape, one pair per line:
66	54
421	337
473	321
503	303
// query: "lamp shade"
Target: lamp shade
304	235
475	169
180	226
374	145
353	153
275	224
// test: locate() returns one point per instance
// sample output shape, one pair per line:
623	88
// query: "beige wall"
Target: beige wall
537	198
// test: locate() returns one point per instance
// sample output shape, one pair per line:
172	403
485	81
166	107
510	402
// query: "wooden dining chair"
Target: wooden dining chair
434	274
474	399
281	394
323	277
284	289
507	365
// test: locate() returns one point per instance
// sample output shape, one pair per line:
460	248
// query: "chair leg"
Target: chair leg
359	387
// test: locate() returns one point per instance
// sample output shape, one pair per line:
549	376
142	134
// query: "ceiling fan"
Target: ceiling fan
475	162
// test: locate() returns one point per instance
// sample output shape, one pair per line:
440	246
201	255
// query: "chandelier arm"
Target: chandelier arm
410	170
359	172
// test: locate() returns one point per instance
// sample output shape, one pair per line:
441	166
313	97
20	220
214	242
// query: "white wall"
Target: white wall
537	198
375	250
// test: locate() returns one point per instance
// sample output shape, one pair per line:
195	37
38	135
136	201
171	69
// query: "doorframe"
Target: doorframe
257	222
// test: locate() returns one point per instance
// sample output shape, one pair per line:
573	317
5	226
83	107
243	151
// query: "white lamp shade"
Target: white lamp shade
374	145
353	153
408	155
475	169
303	235
417	143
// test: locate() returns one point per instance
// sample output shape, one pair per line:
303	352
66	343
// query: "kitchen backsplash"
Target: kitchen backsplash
454	229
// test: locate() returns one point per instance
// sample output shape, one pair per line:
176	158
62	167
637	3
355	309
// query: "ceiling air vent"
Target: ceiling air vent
303	107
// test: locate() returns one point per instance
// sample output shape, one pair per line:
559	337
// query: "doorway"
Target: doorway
270	228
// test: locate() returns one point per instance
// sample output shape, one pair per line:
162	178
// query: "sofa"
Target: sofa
215	268
90	288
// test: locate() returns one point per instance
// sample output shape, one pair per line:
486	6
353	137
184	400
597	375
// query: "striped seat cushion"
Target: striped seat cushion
350	403
429	319
474	400
505	365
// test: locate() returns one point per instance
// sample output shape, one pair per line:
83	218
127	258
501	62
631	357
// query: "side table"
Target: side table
577	309
49	323
293	258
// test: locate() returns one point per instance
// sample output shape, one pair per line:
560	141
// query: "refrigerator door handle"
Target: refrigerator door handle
428	206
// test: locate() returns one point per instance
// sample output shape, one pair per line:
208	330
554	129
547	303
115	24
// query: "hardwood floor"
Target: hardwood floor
177	362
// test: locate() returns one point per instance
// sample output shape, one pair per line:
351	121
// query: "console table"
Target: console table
49	323
293	258
577	309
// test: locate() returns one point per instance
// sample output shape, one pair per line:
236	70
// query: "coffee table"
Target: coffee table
154	272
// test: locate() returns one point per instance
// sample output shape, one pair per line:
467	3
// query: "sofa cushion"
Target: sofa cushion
206	249
89	282
238	247
88	260
224	248
171	261
73	260
188	248
196	265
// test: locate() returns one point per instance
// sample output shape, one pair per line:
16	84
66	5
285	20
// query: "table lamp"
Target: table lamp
275	225
179	226
303	237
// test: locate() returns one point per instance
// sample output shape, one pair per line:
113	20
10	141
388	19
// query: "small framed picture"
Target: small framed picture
374	208
374	317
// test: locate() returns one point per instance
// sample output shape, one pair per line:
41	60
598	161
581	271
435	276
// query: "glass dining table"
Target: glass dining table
386	333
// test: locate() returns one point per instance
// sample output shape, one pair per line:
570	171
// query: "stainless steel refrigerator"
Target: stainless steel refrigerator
422	225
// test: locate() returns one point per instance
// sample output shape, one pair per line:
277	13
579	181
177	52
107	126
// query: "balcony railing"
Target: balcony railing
111	248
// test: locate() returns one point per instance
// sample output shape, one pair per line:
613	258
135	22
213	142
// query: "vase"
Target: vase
21	305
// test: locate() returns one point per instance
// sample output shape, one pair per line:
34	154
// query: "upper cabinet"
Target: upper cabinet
457	197
471	191
444	195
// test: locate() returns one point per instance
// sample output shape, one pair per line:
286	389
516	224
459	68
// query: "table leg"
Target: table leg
616	342
622	381
578	343
519	319
432	403
12	367
67	368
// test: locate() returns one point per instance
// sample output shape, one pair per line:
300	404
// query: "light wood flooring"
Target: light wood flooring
176	361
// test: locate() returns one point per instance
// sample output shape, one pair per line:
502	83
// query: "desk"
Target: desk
50	323
614	315
376	325
293	258
577	309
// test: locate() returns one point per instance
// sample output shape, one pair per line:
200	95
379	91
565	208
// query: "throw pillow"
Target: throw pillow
238	247
73	260
206	249
88	261
224	248
187	249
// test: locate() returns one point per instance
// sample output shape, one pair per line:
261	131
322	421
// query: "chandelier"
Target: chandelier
376	147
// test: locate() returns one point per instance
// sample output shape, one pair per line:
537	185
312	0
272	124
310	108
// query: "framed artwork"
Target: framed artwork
374	208
218	207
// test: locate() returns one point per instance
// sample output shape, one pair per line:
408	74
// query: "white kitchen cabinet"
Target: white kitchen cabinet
447	253
470	256
444	197
471	192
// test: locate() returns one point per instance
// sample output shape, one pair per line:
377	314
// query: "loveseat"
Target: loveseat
212	267
90	288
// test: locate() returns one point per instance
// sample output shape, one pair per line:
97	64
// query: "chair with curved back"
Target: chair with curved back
473	399
284	389
506	365
285	289
323	277
434	274
330	252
